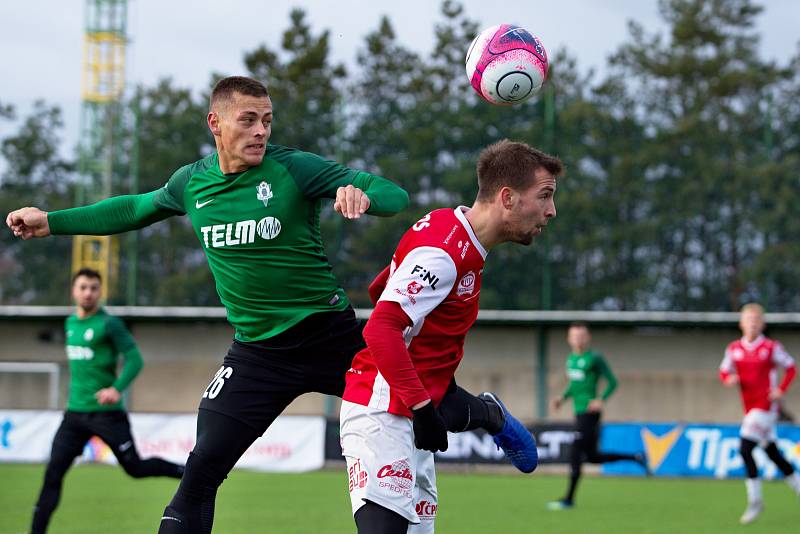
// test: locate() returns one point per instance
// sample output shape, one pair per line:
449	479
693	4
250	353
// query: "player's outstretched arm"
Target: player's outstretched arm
355	192
386	198
110	216
28	222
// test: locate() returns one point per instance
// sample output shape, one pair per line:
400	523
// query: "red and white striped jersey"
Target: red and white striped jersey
756	365
435	277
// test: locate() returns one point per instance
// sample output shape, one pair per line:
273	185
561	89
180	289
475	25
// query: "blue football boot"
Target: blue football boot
517	443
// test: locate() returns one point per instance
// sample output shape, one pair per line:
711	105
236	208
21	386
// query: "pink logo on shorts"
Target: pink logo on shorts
400	472
357	476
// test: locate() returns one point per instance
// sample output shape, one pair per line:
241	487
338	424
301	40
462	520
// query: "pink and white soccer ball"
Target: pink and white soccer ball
506	64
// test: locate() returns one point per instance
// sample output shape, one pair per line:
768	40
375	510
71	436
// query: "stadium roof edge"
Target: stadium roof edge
504	317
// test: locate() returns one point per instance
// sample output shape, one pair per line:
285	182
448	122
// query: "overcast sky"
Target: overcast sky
42	40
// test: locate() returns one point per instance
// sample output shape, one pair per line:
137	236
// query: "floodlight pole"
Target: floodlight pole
547	280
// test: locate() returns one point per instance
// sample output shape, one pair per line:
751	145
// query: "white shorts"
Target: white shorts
759	426
384	466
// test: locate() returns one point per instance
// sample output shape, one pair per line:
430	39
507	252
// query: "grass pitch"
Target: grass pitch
100	499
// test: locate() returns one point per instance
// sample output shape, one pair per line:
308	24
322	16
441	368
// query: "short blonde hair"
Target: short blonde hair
753	307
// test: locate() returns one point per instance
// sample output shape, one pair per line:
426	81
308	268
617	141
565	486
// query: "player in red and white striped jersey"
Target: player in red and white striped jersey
415	337
752	362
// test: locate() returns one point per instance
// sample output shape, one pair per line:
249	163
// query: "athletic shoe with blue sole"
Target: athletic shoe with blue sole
517	443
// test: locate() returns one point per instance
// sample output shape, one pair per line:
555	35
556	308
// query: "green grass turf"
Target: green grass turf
100	499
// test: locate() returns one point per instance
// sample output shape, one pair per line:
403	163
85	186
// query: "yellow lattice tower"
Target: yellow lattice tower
103	88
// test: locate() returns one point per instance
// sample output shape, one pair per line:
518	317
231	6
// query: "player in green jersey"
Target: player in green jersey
94	341
255	208
585	369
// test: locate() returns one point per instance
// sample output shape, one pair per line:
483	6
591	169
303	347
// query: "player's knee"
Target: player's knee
201	474
55	471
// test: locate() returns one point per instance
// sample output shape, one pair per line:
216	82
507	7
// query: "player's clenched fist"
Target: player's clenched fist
351	202
430	431
28	222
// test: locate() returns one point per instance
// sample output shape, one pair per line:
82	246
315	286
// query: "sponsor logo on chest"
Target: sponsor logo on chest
466	286
576	374
75	352
464	246
240	233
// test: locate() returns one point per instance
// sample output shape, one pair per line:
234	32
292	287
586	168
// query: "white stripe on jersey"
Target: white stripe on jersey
381	393
781	357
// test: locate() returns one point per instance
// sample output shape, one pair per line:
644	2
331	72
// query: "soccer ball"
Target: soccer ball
506	64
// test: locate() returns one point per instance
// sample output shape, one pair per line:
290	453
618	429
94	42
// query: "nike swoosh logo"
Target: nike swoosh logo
198	204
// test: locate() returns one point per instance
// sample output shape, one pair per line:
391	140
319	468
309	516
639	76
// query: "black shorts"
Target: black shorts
259	379
77	427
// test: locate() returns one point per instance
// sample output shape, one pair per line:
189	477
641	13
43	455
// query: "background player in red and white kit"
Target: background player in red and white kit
752	362
415	339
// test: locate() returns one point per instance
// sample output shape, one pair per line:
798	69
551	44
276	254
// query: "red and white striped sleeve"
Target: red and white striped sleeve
783	359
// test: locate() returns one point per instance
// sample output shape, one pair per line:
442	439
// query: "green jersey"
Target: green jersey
260	232
584	372
93	347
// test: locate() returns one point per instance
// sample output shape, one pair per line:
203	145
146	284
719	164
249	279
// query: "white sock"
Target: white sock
794	482
753	489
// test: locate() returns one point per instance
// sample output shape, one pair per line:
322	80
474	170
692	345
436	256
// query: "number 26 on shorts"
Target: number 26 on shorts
217	382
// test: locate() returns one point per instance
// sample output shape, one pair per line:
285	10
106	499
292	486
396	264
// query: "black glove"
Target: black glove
430	432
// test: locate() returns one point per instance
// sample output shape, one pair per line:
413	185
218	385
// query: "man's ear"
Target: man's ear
213	123
507	197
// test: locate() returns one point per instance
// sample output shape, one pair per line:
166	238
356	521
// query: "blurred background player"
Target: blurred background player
750	362
94	341
390	425
585	368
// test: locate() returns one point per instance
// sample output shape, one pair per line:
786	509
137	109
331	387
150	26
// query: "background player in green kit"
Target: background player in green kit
255	208
94	341
585	368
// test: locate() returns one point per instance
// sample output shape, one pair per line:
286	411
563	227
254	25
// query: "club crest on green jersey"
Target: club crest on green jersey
264	193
